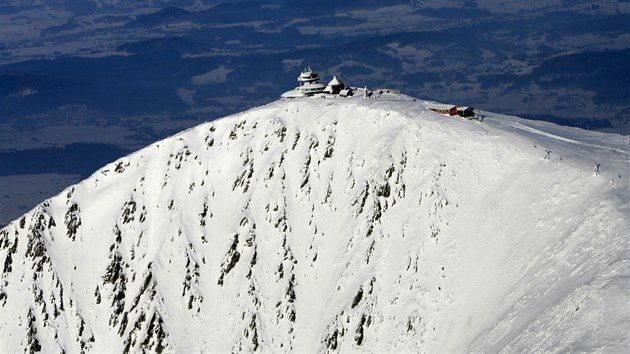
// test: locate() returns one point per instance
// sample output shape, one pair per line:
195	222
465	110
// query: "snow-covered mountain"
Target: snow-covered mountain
332	224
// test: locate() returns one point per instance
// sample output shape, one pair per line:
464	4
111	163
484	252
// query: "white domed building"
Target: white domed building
310	85
334	86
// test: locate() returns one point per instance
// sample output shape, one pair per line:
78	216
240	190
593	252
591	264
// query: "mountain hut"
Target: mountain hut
466	112
449	111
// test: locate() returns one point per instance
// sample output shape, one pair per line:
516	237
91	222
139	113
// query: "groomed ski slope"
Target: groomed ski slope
372	225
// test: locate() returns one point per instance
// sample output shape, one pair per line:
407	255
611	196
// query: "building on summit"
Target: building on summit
310	85
465	112
334	86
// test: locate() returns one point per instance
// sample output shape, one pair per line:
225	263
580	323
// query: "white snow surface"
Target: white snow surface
371	225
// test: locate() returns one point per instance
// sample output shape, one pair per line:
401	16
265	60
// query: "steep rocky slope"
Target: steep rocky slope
332	224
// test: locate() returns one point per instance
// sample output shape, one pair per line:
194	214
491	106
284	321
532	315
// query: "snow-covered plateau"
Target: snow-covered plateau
337	224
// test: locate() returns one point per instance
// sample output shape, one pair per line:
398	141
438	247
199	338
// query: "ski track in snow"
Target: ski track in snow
521	126
346	225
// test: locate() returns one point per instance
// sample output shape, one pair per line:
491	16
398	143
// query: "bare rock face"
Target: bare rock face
318	225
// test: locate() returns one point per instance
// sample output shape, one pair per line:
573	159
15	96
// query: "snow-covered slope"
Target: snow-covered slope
332	224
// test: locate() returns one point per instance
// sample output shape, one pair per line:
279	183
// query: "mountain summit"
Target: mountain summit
344	224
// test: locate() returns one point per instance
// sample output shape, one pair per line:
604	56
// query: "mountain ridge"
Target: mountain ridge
331	224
